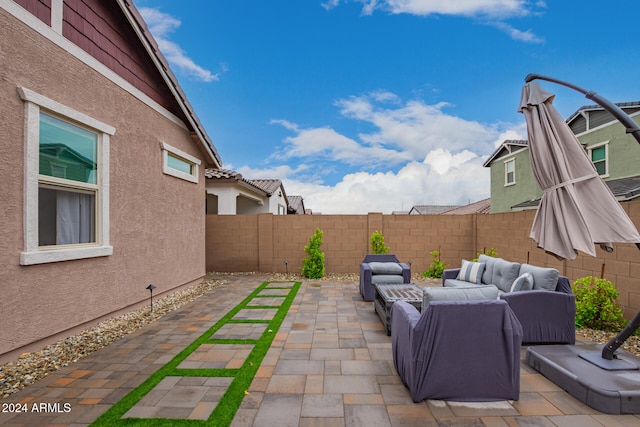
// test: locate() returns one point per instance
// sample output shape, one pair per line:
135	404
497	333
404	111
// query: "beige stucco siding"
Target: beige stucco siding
156	220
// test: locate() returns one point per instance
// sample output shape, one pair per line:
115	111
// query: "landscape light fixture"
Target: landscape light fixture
286	265
151	288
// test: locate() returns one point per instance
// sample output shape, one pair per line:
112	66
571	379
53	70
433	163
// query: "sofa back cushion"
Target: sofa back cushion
543	278
385	268
476	292
499	272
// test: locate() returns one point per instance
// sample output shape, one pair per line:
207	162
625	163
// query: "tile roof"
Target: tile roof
431	209
267	186
296	205
623	188
481	207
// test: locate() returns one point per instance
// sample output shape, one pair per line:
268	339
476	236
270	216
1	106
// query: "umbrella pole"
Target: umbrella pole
632	127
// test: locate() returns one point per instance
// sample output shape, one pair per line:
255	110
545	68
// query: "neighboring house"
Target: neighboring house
431	209
104	192
614	153
229	193
296	205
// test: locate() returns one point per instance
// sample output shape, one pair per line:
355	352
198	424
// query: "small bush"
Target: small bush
313	265
596	305
437	266
492	252
377	243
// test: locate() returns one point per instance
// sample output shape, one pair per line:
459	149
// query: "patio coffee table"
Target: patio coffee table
387	294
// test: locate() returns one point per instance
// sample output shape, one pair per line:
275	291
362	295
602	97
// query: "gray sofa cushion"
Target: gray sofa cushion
499	272
543	278
474	292
385	268
387	278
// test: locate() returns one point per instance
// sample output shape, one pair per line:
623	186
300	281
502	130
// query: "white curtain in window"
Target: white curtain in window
75	218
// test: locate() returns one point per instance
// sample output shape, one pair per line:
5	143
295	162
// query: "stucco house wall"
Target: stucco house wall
155	220
503	197
623	152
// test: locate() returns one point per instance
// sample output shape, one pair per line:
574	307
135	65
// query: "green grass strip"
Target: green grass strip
229	403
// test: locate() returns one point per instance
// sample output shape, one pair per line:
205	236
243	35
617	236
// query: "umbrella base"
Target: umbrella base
609	391
616	364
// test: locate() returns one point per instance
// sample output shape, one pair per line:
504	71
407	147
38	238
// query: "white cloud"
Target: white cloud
450	7
442	178
499	9
416	127
424	156
326	143
525	36
161	26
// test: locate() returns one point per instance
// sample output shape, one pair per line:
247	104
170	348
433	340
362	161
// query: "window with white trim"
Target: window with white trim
176	162
599	155
66	183
510	172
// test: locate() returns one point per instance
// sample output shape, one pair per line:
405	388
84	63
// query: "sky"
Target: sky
380	105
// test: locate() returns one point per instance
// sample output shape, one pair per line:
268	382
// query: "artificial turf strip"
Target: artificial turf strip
229	403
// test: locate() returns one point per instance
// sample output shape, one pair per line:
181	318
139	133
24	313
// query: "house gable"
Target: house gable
114	35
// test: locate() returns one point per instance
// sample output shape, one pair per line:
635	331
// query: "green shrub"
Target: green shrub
377	243
313	265
596	305
492	252
437	266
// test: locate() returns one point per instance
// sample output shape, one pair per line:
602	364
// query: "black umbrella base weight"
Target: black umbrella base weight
612	391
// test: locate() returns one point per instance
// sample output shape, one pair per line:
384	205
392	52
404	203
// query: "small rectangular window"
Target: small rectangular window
510	172
179	164
599	159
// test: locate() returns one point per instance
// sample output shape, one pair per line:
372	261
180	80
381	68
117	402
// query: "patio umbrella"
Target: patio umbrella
577	208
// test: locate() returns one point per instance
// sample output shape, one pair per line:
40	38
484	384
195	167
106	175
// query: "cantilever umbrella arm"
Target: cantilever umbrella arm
632	127
608	352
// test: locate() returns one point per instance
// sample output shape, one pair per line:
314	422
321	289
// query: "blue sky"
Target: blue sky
379	105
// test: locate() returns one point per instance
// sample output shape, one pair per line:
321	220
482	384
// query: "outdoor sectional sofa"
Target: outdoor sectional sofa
541	299
381	268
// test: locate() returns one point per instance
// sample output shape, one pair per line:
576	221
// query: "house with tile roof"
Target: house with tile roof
105	193
296	205
229	193
614	153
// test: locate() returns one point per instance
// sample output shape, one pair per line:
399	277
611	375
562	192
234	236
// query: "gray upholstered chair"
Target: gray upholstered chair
381	268
457	350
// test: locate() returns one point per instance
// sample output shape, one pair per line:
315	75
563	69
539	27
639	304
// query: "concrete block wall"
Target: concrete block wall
263	242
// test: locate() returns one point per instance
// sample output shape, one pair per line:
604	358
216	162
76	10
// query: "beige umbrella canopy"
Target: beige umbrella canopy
577	208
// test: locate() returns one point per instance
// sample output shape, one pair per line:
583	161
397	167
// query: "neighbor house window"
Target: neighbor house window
66	183
177	163
599	156
510	172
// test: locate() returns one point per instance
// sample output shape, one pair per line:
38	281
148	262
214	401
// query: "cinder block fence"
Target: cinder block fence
273	243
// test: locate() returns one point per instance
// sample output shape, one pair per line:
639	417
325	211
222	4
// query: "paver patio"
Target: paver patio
329	364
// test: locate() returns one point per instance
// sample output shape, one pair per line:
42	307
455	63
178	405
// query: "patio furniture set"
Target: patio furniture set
462	341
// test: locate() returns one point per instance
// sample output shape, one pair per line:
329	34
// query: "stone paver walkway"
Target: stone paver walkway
330	364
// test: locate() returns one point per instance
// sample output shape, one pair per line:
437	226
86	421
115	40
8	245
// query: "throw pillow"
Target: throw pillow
522	283
471	271
385	268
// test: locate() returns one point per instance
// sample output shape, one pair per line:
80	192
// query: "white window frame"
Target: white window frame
33	253
176	152
606	156
506	174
